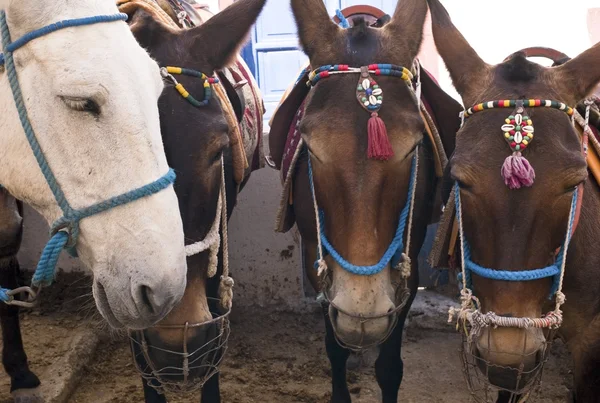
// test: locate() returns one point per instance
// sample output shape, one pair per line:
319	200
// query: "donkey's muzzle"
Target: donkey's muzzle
186	366
358	332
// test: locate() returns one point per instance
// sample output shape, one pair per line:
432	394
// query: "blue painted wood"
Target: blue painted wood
247	54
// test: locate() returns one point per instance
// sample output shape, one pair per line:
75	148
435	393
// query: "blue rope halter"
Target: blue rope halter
393	252
553	270
64	232
343	21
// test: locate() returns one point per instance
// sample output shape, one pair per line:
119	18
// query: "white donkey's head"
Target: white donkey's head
91	94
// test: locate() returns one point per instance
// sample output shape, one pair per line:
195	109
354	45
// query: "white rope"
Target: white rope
585	123
405	265
226	284
322	265
212	242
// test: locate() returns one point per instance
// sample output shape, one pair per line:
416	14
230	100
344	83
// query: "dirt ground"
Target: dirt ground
273	357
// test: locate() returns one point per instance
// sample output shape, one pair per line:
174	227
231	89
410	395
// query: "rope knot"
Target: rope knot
227	281
405	265
226	292
452	313
560	299
321	267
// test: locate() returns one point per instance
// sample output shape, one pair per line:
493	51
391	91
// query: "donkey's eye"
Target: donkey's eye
82	104
217	157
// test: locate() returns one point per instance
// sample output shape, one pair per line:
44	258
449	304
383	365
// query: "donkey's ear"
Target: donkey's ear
145	28
224	34
580	75
406	28
315	28
467	70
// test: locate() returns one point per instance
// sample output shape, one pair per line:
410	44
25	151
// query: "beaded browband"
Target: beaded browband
167	72
518	132
370	96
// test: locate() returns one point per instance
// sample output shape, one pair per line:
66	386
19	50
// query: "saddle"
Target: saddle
237	90
439	112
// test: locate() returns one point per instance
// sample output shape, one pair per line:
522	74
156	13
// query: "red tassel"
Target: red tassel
379	143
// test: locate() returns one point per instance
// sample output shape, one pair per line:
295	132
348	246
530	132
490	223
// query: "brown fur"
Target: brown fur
521	229
361	198
194	140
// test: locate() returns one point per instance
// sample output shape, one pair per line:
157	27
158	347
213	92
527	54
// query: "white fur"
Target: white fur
140	243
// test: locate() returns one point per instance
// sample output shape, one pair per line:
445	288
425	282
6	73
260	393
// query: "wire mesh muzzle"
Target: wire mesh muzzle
197	366
479	372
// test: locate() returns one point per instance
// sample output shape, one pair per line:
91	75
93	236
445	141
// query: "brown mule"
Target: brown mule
204	144
517	223
359	191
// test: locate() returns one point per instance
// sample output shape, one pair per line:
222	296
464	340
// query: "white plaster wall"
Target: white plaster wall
213	4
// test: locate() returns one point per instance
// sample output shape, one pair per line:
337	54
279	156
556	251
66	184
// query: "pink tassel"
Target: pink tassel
517	171
379	143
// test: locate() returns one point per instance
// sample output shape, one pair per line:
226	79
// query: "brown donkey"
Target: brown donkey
183	352
528	229
369	170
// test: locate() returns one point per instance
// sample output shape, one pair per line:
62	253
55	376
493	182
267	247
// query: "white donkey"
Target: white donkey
82	95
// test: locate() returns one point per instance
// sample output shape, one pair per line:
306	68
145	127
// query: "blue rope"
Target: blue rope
343	21
4	297
553	270
76	22
64	231
394	251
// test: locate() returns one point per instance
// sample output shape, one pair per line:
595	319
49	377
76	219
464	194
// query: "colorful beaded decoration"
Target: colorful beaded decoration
368	92
532	103
518	132
378	69
370	96
167	72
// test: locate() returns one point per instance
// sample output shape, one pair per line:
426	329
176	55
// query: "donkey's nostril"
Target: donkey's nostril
152	301
145	296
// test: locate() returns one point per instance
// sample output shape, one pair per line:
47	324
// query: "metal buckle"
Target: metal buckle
29	302
270	162
165	74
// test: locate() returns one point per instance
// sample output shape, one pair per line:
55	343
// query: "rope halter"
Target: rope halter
470	310
370	96
212	242
65	231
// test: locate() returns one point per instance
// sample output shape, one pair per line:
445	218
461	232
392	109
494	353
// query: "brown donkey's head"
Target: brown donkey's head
514	226
361	198
196	140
